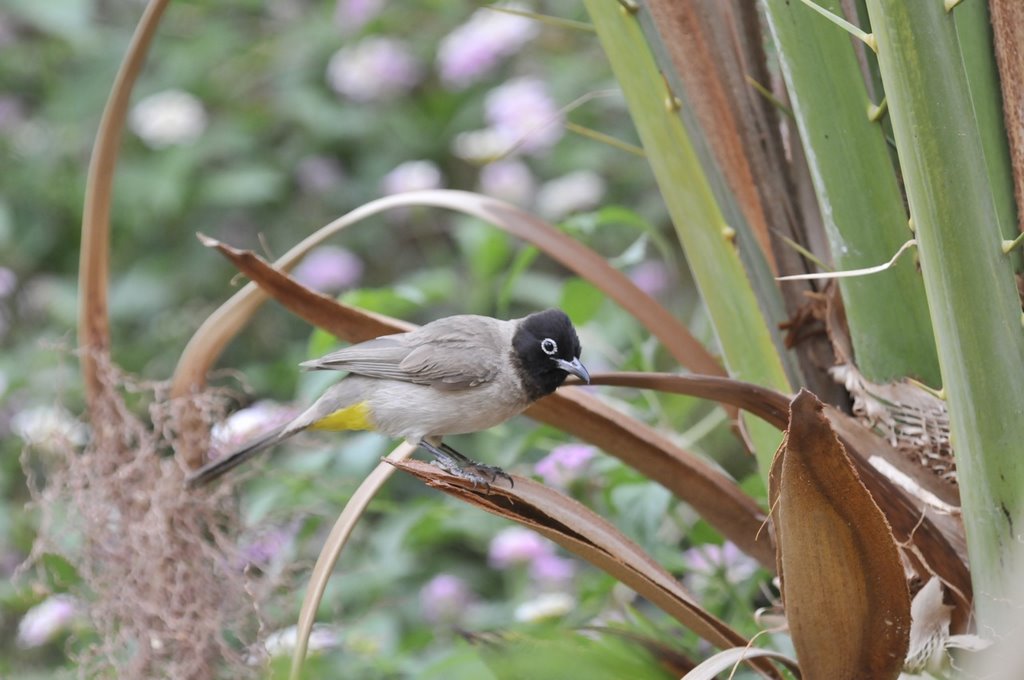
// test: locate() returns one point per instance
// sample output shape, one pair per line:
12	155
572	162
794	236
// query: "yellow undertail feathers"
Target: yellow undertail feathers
354	417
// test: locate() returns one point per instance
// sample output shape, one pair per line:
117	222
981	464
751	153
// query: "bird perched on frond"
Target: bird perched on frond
455	375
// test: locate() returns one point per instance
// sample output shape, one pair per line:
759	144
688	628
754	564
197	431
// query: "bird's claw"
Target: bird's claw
458	465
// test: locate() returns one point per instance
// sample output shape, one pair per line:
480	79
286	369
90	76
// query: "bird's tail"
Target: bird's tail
215	469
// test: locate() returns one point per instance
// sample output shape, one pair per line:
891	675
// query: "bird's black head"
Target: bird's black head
545	350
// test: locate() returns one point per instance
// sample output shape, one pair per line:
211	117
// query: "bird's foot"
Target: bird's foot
458	465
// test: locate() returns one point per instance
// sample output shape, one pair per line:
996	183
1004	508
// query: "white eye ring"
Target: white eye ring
549	346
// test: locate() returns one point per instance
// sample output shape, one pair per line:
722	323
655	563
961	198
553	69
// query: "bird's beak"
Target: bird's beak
575	368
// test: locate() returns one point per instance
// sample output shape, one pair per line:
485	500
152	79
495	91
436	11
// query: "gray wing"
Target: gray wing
452	353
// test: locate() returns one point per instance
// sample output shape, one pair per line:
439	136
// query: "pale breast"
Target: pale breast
413	411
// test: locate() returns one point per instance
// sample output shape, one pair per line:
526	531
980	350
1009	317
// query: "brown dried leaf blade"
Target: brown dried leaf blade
583	532
843	583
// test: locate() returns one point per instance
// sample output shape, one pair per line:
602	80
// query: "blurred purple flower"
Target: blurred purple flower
576	191
444	598
509	180
516	545
374	69
652	277
726	562
552	571
476	47
12	112
246	423
268	546
411	176
329	269
564	464
8	282
319	174
522	111
352	15
46	620
168	118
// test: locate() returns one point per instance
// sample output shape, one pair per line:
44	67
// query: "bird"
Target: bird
455	375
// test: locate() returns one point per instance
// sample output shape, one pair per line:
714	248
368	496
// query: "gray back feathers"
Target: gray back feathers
455	352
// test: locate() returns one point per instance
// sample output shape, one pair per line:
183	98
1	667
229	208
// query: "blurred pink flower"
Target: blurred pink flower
509	180
319	174
552	571
412	176
444	598
374	69
476	47
564	464
523	113
329	269
46	620
652	277
517	545
12	113
8	282
352	15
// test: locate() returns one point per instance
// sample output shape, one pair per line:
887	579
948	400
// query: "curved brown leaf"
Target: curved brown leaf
224	324
585	533
843	583
716	497
935	539
94	258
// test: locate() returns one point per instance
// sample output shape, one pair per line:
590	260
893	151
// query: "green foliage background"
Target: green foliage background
258	68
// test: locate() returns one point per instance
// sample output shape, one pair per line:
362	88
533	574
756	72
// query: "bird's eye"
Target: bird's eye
549	346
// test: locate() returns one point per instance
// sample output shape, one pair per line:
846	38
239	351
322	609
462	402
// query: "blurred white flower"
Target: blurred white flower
546	606
49	426
579	190
411	176
352	15
708	561
374	69
481	146
329	269
522	111
476	47
509	180
282	642
246	423
168	118
445	598
46	620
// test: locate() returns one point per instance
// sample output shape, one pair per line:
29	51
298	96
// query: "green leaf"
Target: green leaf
581	300
244	185
743	330
970	283
858	191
